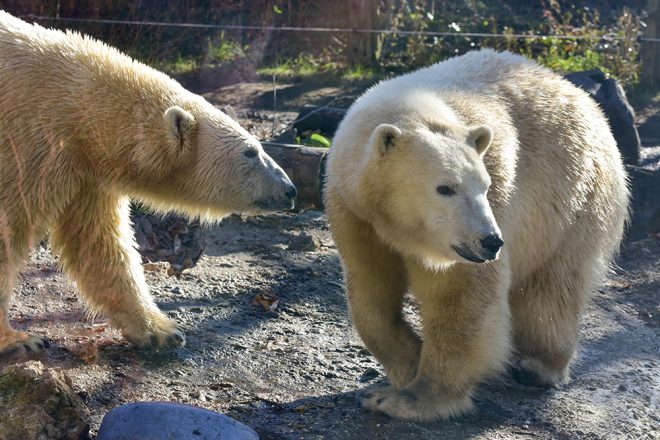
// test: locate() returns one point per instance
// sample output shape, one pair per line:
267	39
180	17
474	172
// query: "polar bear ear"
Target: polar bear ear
385	137
480	136
180	123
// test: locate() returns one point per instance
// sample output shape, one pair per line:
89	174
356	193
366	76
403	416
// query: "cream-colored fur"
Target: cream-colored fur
558	196
82	128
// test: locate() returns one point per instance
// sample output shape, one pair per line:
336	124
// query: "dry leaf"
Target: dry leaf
267	299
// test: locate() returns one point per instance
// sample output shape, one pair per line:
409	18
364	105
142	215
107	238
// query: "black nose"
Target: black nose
291	193
493	243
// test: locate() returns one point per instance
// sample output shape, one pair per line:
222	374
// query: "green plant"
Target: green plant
225	50
609	44
359	73
317	140
614	48
301	66
180	65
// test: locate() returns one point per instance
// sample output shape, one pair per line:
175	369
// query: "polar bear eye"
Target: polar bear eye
252	152
445	190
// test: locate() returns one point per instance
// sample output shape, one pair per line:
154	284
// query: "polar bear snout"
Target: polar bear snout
288	199
291	193
278	190
488	251
492	244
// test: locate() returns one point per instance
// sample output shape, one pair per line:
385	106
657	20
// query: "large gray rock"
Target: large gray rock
37	403
609	94
167	420
645	184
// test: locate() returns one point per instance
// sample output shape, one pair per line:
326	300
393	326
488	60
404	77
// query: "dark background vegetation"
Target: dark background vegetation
182	49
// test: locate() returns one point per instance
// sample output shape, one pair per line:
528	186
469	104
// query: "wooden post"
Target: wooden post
651	49
361	47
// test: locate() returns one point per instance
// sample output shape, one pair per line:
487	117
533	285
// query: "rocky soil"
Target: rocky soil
270	341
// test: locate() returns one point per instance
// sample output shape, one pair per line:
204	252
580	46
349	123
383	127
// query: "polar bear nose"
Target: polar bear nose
291	193
492	243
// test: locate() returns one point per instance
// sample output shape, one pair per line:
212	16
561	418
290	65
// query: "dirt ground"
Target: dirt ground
298	371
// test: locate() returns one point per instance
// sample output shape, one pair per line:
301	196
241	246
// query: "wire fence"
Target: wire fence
335	30
606	37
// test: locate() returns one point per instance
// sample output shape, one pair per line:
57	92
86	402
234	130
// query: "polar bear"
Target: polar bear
82	128
492	190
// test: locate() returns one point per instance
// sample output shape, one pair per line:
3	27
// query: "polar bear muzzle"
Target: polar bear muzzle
278	192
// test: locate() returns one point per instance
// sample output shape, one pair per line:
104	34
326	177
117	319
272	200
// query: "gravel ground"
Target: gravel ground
295	368
298	371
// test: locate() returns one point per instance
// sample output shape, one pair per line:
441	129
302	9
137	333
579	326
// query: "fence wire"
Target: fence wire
606	37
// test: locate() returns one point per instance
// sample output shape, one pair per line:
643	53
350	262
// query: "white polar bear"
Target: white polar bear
429	175
82	128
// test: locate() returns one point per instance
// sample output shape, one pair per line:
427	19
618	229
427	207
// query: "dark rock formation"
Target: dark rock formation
38	403
609	94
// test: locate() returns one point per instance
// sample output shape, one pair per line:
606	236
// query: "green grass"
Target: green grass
359	73
226	51
306	66
221	52
302	66
180	66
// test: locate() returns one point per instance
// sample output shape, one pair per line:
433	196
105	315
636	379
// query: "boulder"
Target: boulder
38	403
319	119
609	94
168	420
645	181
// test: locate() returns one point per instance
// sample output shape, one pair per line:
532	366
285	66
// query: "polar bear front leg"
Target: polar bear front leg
376	283
97	249
15	243
466	323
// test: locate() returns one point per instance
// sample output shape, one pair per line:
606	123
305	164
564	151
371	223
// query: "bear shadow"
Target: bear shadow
498	406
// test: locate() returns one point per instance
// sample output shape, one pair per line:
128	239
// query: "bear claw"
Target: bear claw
29	346
177	339
172	340
529	378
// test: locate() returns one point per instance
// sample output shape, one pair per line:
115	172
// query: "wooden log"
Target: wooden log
305	166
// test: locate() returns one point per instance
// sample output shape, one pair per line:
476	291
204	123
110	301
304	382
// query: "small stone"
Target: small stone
622	388
369	375
364	352
220	385
158	267
178	290
197	394
304	243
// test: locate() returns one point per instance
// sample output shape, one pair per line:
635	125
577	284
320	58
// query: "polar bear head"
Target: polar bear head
212	167
430	185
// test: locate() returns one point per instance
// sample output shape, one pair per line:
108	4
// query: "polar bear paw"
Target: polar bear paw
533	373
157	331
22	344
409	404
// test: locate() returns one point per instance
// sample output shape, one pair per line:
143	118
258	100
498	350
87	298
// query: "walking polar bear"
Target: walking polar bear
82	128
491	189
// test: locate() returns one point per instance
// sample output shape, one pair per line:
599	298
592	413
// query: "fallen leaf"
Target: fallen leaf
267	299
